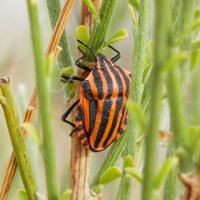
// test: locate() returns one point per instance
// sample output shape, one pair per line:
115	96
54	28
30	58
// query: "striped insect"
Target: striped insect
101	115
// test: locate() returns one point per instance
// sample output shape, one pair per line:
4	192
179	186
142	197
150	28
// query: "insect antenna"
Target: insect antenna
87	47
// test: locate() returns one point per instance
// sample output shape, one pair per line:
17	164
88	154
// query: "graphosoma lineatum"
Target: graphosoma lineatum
101	114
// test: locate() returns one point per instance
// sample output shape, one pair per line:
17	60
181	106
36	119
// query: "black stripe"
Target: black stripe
106	74
105	116
119	100
93	114
87	89
119	103
123	113
126	79
117	77
98	83
79	114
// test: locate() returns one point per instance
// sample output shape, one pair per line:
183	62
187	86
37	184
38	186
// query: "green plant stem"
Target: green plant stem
100	27
15	131
136	87
186	19
170	187
110	160
43	87
161	54
64	57
177	114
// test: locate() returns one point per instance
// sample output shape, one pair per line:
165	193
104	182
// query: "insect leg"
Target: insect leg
82	66
67	77
67	112
116	57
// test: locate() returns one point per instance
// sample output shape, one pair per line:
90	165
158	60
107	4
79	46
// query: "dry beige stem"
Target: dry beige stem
79	180
33	104
192	184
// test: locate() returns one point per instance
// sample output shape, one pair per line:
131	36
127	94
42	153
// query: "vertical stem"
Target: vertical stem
161	53
17	140
100	27
43	87
170	187
64	58
79	179
136	91
186	19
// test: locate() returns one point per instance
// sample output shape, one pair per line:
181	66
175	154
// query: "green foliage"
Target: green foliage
82	34
119	35
66	195
90	5
135	4
108	176
138	115
164	171
22	194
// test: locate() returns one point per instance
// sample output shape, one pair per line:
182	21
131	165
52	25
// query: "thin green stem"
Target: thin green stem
161	54
176	103
100	27
15	131
186	19
64	57
110	160
43	87
170	187
136	91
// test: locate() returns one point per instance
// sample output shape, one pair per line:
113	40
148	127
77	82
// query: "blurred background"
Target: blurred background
16	61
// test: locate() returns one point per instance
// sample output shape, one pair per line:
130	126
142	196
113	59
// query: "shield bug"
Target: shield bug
101	115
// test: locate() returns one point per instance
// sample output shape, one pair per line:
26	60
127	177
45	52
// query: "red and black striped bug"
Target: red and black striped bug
101	115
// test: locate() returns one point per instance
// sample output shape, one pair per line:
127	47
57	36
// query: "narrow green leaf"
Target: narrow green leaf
98	189
161	176
128	161
70	85
91	7
82	34
194	59
195	45
133	18
68	70
119	35
138	114
197	13
134	173
194	137
30	128
192	27
135	4
110	175
174	59
22	194
66	194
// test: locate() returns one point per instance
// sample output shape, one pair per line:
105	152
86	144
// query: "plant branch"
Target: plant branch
17	140
29	115
12	164
64	58
80	158
161	54
44	95
59	27
101	25
136	88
